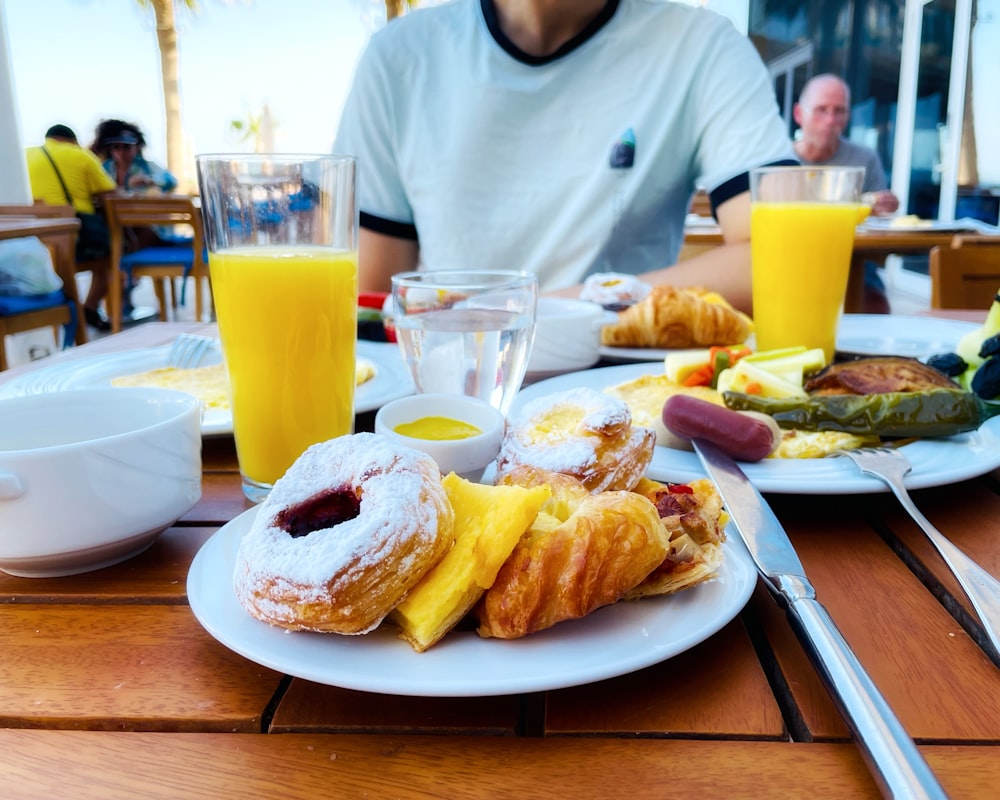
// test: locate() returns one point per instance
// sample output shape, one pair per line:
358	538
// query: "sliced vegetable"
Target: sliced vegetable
749	378
790	359
705	372
939	412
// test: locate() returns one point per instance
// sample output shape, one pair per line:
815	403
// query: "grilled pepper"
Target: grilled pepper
939	412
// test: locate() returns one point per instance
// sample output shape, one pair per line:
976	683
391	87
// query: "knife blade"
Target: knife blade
897	766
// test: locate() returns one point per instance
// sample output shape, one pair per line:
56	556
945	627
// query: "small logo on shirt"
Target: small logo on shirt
623	152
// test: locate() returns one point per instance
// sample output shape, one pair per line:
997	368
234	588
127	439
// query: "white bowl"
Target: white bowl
567	336
89	478
467	457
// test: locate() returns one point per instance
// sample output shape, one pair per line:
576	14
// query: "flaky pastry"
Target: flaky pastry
583	551
582	433
691	514
675	318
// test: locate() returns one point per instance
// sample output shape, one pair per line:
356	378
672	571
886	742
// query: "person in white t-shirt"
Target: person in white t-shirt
563	137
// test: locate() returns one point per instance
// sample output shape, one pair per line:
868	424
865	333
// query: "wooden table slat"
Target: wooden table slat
124	668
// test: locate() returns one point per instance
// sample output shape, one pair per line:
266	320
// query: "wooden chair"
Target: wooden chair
60	309
45	211
161	264
965	274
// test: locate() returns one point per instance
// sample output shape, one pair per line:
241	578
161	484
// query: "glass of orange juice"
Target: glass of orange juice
282	234
801	237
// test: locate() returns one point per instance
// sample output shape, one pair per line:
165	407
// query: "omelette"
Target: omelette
210	384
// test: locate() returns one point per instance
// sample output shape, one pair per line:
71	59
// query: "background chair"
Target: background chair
43	211
966	274
60	309
182	258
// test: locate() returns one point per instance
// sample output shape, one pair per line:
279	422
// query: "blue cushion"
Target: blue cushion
159	255
36	302
163	256
33	302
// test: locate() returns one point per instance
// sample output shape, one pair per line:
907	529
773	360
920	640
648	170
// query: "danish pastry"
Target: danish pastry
582	433
676	318
613	290
343	536
583	551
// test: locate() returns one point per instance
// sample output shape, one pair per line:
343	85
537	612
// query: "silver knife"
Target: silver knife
898	767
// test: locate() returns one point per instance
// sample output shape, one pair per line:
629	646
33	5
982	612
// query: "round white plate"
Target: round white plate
892	335
935	462
612	641
392	379
858	334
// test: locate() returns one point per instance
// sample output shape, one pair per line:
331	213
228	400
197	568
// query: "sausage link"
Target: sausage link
743	437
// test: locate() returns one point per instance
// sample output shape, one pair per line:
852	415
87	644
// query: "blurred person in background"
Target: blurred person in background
60	167
822	113
120	146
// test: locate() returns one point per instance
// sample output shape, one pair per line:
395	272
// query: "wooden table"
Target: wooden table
110	688
869	245
60	237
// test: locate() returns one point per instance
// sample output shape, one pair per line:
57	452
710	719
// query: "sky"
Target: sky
80	61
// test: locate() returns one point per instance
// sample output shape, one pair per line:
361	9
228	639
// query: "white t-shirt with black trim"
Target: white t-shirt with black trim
581	162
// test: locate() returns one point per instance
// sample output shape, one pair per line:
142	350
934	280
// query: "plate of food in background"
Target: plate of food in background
381	376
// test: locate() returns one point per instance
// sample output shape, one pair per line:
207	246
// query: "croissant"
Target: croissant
676	318
583	551
692	516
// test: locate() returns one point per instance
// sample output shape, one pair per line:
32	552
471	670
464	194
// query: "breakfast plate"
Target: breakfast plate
936	462
392	379
910	224
857	334
611	641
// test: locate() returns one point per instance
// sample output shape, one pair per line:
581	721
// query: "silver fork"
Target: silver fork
983	590
188	350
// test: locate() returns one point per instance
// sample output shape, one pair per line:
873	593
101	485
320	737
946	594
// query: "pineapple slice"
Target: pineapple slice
489	520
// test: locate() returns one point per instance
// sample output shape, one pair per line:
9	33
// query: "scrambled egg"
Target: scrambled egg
816	444
646	395
210	384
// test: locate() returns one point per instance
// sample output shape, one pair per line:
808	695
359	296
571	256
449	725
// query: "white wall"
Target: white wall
986	78
14	186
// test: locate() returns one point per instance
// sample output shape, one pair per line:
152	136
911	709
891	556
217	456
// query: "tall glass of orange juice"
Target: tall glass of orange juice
801	237
282	234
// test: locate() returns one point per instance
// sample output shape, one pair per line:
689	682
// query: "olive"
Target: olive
986	381
990	347
951	364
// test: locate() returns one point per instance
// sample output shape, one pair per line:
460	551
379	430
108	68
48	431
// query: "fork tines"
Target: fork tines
188	350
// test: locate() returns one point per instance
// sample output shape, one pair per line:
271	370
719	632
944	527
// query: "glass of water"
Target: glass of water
466	332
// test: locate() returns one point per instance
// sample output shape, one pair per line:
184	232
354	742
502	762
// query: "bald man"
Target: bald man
822	113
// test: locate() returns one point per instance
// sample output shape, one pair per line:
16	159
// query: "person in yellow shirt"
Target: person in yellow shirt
61	172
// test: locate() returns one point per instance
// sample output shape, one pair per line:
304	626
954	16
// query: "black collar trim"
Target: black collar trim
490	16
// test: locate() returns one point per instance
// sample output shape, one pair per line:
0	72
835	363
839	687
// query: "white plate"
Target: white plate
902	225
392	378
859	334
611	641
897	335
935	462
